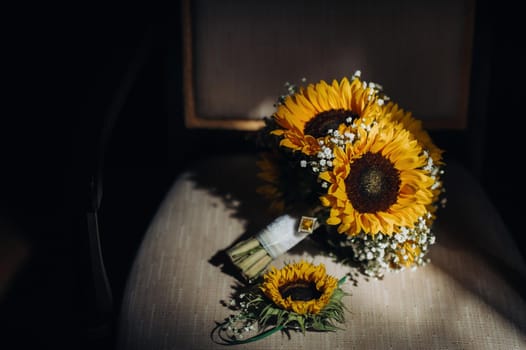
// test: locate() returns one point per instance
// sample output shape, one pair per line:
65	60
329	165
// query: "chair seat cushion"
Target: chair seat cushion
468	297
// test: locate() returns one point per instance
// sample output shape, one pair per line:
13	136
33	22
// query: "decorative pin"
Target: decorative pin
307	224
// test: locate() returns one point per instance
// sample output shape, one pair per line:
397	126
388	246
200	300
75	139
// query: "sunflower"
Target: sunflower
306	116
377	183
395	113
300	287
286	185
407	254
271	174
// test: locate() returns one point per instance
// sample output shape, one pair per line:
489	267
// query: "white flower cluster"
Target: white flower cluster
239	326
324	158
382	252
375	89
323	161
292	89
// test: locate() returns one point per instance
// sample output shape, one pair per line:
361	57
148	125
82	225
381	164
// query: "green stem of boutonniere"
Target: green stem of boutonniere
230	341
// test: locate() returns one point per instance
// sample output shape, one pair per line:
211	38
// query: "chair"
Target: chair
469	297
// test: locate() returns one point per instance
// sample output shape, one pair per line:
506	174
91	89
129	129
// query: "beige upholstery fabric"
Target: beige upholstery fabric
468	297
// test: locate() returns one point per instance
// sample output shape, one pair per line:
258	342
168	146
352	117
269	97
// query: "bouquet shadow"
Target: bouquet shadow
233	180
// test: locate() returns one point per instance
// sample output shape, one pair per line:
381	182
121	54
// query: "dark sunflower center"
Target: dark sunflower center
322	122
300	290
373	183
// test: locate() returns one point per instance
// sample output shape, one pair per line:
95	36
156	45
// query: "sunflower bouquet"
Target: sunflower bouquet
344	164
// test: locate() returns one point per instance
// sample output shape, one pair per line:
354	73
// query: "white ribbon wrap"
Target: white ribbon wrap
280	235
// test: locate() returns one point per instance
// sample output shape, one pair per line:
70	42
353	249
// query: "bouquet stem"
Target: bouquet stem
252	256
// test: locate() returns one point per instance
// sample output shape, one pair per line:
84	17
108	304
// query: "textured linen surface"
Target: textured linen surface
468	297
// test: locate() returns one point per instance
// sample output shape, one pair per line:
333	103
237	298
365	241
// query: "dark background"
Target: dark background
65	72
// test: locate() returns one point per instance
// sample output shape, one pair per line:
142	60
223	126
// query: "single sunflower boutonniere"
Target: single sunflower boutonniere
300	296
